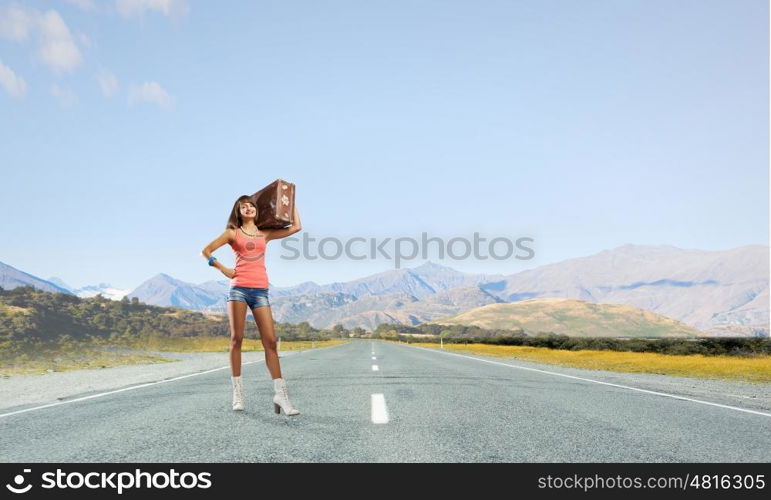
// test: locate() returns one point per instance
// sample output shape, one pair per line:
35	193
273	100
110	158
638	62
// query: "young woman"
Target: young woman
249	287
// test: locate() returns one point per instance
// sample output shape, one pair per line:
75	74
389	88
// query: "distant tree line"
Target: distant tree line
46	316
732	346
464	332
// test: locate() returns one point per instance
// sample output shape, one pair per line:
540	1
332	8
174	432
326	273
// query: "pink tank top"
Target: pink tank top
250	261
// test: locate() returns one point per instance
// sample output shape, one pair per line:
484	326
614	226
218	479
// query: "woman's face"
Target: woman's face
248	210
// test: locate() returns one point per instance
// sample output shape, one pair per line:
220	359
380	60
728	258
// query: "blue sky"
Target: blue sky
130	127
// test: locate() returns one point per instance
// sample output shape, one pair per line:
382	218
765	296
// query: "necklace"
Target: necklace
252	235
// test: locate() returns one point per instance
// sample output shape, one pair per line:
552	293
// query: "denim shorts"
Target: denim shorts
254	297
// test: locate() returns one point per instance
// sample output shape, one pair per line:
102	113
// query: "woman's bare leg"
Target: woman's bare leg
237	316
264	319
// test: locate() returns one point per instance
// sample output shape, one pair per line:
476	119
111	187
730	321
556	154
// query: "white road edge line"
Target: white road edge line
379	410
148	384
58	403
598	382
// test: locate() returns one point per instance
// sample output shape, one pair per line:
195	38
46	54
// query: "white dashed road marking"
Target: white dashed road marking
379	410
375	368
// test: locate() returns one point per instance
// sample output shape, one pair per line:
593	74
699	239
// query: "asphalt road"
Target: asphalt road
436	407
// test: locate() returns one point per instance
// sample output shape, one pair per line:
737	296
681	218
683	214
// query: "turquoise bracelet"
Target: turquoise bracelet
212	259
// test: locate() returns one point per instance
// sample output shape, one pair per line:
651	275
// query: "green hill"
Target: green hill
28	315
575	318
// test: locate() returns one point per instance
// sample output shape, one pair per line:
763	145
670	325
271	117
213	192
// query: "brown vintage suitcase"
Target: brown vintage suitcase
275	205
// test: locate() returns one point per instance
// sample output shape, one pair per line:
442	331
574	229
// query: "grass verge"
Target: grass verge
63	356
746	369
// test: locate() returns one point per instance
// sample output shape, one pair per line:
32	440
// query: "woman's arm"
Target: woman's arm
214	245
274	234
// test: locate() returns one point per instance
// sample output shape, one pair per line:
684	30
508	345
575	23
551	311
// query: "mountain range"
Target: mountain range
10	278
718	292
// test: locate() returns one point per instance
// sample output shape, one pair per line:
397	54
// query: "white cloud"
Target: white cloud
108	83
66	98
150	92
137	8
16	22
14	85
58	49
56	46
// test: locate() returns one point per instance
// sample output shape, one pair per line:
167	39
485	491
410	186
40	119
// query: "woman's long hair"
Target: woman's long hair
234	221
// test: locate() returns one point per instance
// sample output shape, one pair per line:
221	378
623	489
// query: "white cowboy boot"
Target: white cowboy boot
281	399
238	394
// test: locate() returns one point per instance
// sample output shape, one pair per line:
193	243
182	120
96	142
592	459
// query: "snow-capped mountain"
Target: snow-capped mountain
105	289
